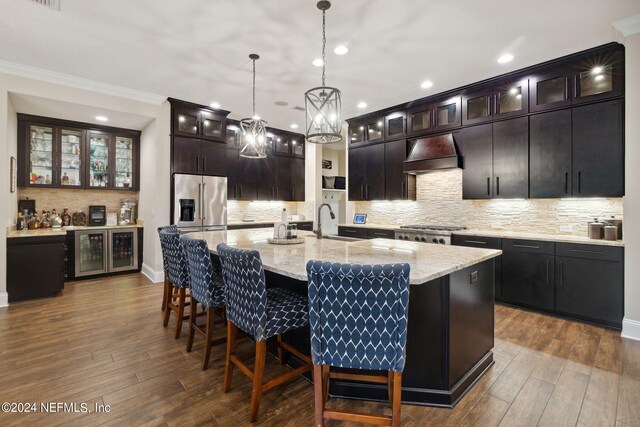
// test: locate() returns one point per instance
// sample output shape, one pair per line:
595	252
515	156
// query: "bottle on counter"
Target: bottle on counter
33	223
20	222
66	218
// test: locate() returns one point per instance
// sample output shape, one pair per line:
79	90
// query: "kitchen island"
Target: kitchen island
450	328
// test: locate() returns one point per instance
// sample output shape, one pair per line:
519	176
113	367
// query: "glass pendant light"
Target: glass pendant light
323	103
254	131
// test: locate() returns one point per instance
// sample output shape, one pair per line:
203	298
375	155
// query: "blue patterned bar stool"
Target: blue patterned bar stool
165	293
260	312
207	289
178	276
358	320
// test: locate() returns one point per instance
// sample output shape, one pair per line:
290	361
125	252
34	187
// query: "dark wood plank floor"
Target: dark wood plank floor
102	342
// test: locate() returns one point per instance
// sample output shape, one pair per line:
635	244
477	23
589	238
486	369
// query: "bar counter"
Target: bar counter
450	327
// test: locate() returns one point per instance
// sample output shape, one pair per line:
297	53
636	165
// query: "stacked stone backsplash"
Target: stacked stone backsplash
59	198
237	211
439	201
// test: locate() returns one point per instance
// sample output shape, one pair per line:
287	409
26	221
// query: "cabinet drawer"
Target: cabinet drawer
596	252
380	233
477	241
357	232
529	246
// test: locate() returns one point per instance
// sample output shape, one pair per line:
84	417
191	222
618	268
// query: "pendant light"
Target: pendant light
254	131
323	104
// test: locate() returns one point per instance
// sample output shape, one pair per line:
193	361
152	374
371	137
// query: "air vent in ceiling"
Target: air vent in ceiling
299	108
53	4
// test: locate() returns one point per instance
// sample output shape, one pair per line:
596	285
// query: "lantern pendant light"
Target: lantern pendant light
254	131
323	103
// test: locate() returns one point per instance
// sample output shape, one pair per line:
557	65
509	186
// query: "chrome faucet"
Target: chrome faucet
318	231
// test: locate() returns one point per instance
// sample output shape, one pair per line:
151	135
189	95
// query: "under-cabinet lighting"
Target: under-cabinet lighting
104	119
341	50
507	57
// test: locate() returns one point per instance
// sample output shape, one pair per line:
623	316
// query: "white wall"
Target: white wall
155	146
631	323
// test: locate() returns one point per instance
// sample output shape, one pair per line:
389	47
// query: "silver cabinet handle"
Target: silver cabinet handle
200	198
525	246
582	251
204	189
477	242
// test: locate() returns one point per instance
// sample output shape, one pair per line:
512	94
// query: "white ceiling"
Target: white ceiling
198	50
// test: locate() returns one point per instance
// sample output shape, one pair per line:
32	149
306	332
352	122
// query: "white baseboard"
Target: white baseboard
631	329
4	299
153	275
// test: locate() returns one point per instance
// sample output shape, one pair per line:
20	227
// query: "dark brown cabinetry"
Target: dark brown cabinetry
195	121
366	173
434	117
599	76
476	144
506	99
199	157
550	154
511	158
365	232
274	178
297	180
598	149
62	154
589	282
550	89
398	185
395	125
528	273
484	243
25	282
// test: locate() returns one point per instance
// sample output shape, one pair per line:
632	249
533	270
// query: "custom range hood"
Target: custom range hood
432	153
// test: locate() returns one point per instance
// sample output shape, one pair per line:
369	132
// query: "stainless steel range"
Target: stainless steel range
438	234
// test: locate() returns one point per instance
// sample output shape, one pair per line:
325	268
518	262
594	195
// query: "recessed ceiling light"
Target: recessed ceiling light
426	84
341	50
256	117
317	62
214	105
101	118
507	57
293	126
362	105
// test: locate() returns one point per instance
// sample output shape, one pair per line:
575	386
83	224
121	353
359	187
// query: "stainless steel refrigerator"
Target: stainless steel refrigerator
200	202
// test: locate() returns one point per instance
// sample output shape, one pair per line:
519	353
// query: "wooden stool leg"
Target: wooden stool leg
318	394
326	381
209	337
232	332
165	292
192	323
258	374
167	310
397	396
280	350
181	301
390	386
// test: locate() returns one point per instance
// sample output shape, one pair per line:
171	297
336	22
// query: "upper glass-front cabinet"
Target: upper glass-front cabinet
198	123
56	153
41	155
598	77
505	100
550	89
434	117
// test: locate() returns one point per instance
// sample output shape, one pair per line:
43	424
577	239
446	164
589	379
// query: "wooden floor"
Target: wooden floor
102	342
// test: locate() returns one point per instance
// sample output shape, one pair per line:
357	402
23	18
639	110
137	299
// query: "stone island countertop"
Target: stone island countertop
427	262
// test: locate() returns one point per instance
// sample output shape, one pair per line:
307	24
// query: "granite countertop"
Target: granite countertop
369	225
561	238
267	222
44	232
427	262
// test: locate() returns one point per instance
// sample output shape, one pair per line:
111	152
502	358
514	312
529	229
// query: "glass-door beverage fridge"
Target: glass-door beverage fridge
105	251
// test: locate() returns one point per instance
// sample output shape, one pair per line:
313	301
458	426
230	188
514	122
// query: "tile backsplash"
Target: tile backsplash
237	211
439	201
75	200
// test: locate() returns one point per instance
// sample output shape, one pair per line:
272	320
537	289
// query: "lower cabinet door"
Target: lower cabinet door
590	289
528	279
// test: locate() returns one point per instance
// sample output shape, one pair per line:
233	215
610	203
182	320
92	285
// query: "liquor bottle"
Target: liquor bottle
66	218
20	222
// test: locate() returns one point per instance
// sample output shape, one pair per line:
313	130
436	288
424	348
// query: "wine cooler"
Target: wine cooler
105	251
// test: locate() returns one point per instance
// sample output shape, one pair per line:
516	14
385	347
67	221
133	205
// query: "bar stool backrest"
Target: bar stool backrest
205	277
171	229
358	314
176	259
244	289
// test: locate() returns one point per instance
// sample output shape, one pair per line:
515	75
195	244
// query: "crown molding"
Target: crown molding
628	26
79	83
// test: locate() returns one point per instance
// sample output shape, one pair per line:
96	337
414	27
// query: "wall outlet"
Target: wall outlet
496	225
567	228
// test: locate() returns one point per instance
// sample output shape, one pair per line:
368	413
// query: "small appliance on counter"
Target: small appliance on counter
97	215
127	213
